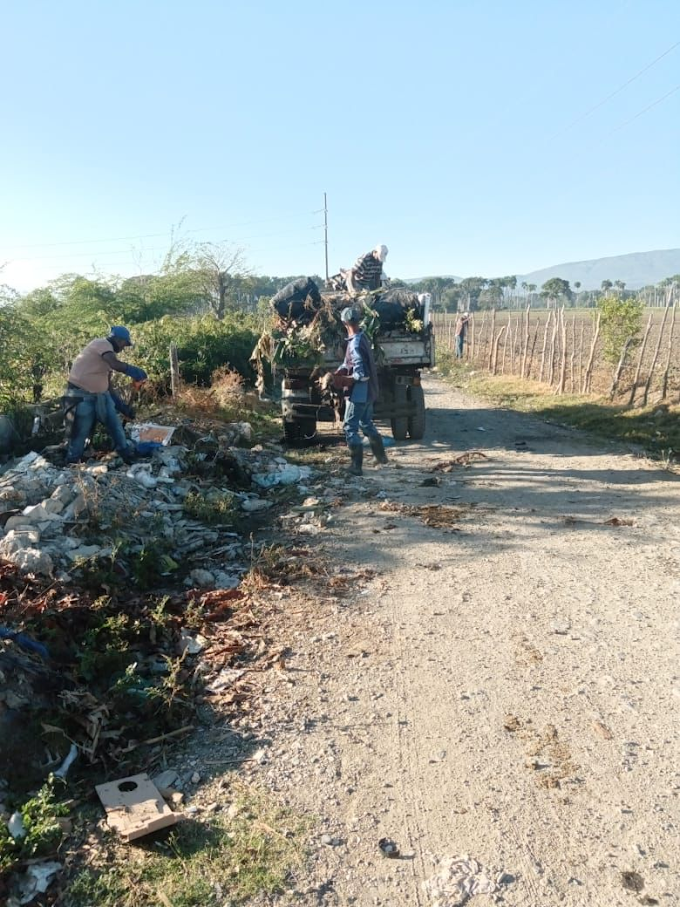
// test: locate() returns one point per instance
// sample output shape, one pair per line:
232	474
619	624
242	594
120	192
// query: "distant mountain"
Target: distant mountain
638	269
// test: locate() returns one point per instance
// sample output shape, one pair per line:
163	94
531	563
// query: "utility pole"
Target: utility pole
325	230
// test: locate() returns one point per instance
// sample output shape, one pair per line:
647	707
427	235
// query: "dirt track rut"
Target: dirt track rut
507	688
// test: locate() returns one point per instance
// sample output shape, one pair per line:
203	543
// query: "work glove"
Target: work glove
137	374
342	382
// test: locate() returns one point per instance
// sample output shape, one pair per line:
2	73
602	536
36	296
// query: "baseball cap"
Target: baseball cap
121	333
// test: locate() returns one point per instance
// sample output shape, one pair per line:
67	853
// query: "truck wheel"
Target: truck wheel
299	431
416	423
400	423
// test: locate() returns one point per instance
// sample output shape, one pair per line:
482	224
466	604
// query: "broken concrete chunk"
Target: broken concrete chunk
83	552
134	806
16	540
201	577
31	560
165	779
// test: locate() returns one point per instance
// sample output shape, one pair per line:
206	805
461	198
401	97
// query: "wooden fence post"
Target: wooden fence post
664	380
633	389
494	361
563	366
619	368
174	371
545	343
652	367
533	347
587	378
553	344
525	343
491	345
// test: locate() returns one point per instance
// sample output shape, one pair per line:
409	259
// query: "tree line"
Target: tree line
481	293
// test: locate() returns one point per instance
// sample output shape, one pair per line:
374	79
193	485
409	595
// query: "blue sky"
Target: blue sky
454	132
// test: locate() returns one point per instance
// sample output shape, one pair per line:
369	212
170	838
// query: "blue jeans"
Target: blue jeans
459	347
358	416
84	422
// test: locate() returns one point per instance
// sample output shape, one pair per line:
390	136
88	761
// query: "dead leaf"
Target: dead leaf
602	730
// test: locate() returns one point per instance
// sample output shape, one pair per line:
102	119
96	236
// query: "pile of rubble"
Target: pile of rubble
54	519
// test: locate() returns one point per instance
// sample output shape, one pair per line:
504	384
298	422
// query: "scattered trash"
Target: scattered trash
134	806
618	521
481	429
388	848
191	645
458	880
149	432
37	880
62	771
464	459
432	482
16	827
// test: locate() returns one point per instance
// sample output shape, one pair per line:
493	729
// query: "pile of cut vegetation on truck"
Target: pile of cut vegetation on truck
308	344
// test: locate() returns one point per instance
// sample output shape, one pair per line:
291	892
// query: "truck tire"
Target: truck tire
416	423
400	423
299	431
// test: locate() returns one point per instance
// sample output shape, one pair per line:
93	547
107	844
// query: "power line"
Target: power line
613	94
644	110
83	242
143	250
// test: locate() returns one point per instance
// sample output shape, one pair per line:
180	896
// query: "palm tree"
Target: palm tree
620	285
606	286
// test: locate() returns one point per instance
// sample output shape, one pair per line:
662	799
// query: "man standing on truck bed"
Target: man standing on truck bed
358	377
367	271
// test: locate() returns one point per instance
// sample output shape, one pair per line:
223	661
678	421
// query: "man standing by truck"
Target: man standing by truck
358	378
367	271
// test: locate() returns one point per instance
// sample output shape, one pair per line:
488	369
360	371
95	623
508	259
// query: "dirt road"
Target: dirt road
506	688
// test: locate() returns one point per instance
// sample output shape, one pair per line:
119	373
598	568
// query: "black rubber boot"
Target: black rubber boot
378	449
357	453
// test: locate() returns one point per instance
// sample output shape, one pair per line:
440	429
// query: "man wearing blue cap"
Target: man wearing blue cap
358	377
89	397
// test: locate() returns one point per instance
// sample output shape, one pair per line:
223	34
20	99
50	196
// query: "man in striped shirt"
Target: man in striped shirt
367	272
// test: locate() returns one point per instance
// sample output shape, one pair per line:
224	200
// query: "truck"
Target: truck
304	356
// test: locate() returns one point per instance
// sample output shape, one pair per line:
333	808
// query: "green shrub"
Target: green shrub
620	319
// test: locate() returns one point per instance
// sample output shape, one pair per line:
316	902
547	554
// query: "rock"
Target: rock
226	580
176	799
195	778
165	779
39	513
252	505
17	540
561	626
63	494
31	560
192	645
83	552
18	521
201	577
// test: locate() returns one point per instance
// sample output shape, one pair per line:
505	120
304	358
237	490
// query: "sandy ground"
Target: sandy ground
507	690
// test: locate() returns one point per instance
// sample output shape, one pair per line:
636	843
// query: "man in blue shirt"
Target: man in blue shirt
358	377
